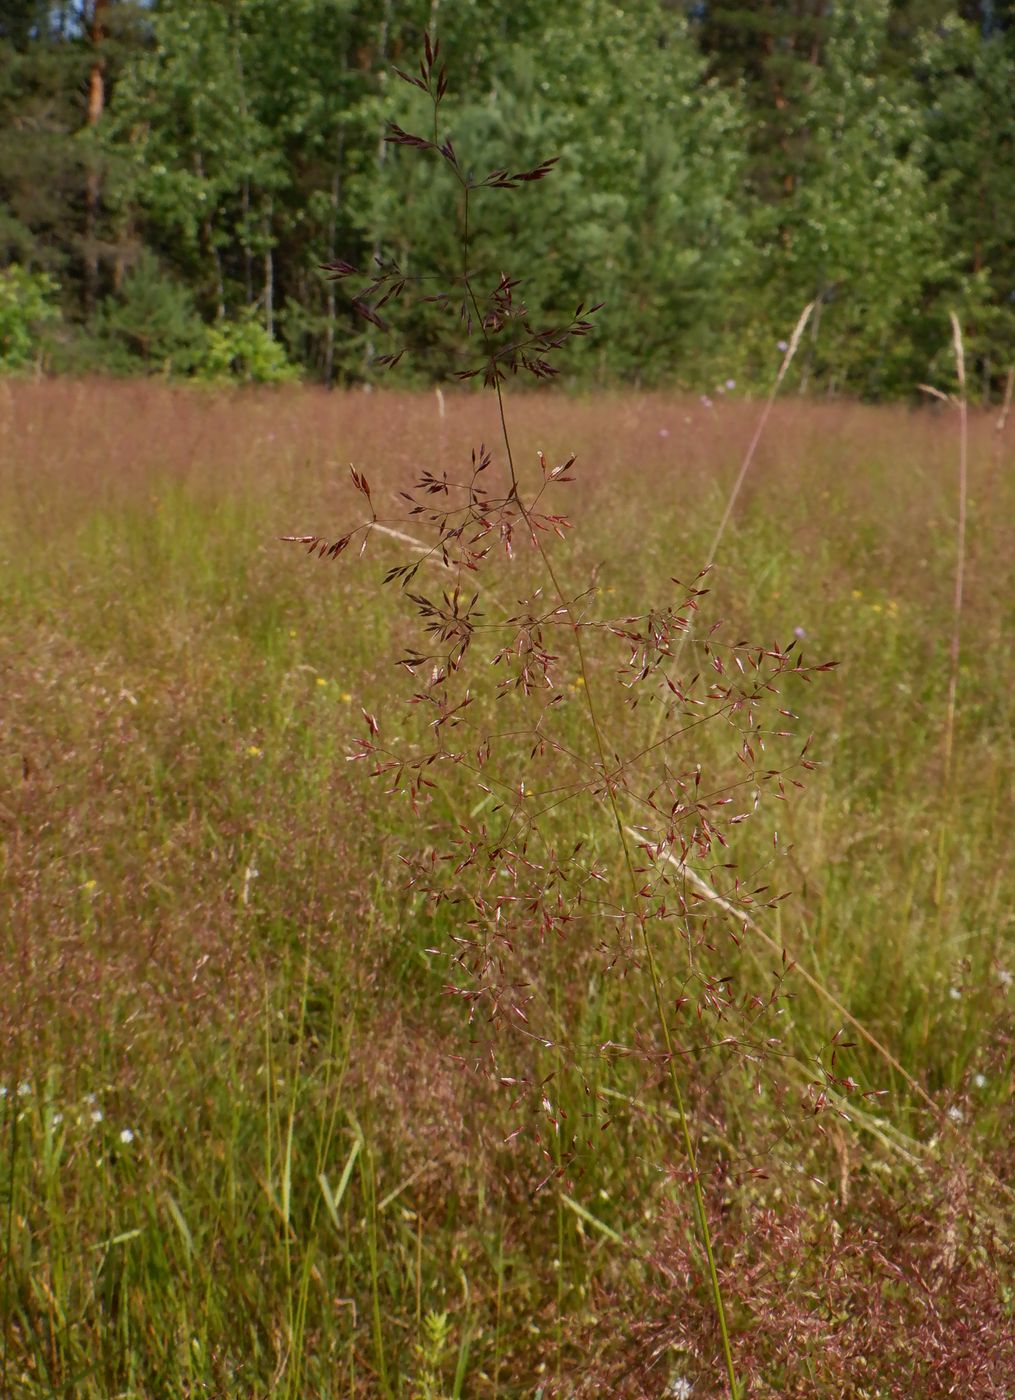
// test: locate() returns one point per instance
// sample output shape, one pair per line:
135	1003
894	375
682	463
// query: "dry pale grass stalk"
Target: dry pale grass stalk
960	553
751	925
748	459
745	466
960	401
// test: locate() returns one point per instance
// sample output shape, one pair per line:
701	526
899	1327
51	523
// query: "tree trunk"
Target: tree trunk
269	277
382	154
329	286
93	179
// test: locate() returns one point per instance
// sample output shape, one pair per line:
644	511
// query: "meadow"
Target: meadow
249	1145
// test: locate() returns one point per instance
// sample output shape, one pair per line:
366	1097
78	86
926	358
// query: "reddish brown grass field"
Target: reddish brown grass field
207	939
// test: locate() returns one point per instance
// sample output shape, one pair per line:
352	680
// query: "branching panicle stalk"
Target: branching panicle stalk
467	518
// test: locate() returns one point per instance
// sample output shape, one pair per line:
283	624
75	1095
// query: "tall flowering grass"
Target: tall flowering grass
578	775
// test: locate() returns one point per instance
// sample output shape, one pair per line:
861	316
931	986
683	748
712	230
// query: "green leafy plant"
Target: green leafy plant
151	326
431	1351
242	349
27	307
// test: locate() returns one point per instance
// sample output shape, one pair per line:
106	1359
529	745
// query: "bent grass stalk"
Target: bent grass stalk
822	991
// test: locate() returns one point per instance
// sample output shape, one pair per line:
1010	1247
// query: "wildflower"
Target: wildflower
679	1388
980	1080
664	432
97	1115
1005	978
731	384
706	401
292	631
799	632
321	680
254	751
579	681
57	1119
857	594
955	993
955	1114
24	1089
249	876
126	1136
782	345
346	698
89	886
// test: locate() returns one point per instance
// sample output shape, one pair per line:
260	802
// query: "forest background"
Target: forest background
172	174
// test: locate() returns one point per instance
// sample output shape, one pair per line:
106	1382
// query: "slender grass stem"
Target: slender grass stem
745	467
564	602
11	1114
955	640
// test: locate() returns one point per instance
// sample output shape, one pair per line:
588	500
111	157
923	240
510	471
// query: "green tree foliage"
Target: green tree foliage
202	168
26	308
860	233
721	163
242	349
150	326
968	86
42	74
644	206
